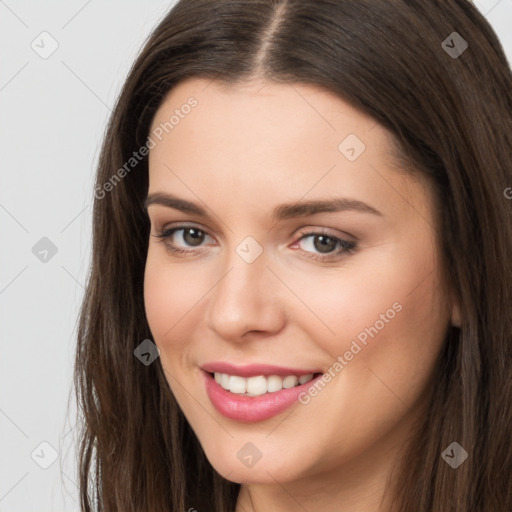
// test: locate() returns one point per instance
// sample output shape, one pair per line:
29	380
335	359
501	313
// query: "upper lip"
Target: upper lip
252	370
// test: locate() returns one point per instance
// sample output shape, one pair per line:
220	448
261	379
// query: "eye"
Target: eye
328	246
191	236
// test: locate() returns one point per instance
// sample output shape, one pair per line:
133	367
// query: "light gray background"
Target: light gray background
53	113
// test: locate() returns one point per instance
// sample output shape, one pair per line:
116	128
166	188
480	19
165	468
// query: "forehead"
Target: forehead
268	140
258	104
264	119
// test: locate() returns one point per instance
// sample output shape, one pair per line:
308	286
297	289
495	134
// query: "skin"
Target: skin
240	152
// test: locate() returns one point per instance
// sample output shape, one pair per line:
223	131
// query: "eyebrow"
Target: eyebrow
280	213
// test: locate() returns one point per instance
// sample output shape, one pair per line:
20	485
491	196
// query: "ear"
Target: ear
456	316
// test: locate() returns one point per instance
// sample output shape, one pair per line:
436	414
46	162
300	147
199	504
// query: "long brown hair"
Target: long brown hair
449	107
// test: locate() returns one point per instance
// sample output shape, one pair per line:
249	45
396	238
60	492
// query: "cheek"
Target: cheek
169	294
390	316
353	304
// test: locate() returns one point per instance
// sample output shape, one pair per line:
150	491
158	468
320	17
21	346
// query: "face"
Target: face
292	281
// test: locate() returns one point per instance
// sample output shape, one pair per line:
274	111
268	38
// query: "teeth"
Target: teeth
237	384
224	381
305	378
274	383
290	381
255	386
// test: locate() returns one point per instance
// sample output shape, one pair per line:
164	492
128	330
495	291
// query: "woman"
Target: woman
301	280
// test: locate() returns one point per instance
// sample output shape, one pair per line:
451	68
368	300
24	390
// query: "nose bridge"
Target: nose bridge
246	297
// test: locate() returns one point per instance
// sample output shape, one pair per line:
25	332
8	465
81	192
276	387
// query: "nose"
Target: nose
248	298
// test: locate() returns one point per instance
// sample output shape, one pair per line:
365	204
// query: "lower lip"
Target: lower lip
251	409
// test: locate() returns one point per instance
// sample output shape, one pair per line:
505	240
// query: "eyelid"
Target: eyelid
331	232
183	225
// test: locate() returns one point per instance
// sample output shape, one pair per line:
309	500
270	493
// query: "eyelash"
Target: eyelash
347	247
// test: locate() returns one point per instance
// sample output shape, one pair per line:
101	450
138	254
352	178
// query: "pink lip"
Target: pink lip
253	409
253	370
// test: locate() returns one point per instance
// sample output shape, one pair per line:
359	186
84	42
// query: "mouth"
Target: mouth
261	393
260	384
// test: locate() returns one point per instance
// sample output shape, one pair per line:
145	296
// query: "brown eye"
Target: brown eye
322	246
193	236
188	238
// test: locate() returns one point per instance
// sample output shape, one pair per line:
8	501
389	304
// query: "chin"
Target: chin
235	464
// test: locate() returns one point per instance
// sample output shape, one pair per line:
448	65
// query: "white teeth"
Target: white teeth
290	381
274	383
255	386
224	381
237	384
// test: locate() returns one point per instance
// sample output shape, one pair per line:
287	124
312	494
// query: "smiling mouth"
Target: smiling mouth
256	397
260	384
